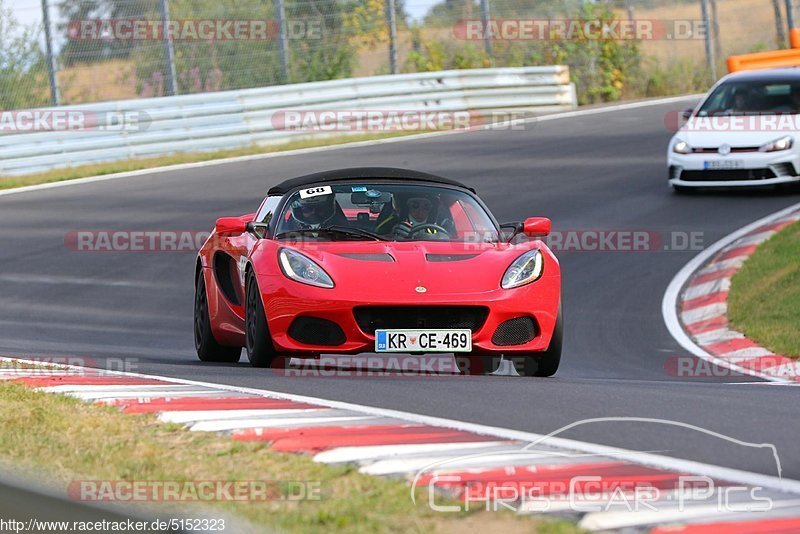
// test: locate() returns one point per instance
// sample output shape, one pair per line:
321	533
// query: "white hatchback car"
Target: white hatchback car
746	132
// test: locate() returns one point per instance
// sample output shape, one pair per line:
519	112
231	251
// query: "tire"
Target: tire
682	190
258	341
546	363
208	350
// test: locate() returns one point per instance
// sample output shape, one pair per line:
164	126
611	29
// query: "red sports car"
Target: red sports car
378	260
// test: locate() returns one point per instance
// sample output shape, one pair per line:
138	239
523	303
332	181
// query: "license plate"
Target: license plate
723	164
423	341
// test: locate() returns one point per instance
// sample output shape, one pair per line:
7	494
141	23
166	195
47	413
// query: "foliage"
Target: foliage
89	51
220	65
23	69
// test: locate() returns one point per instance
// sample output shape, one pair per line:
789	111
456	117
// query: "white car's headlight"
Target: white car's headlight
681	147
784	143
301	269
524	270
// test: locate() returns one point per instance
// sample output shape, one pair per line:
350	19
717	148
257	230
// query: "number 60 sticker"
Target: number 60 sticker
316	191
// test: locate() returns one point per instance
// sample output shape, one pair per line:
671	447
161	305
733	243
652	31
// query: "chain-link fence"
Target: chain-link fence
77	51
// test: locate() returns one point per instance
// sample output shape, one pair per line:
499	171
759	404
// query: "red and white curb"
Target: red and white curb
696	305
452	456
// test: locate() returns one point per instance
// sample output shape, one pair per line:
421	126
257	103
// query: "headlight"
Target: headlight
301	269
681	147
525	269
784	143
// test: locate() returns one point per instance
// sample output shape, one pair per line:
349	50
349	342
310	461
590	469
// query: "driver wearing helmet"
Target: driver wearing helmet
418	210
313	213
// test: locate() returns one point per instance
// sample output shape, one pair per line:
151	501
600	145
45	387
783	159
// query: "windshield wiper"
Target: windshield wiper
334	230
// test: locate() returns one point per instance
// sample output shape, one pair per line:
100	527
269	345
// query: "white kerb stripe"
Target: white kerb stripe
372	452
189	416
707	288
223	425
704	313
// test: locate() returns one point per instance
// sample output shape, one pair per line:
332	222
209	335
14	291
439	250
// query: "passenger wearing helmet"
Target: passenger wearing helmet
313	213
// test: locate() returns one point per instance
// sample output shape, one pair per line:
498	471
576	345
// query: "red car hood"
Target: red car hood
441	268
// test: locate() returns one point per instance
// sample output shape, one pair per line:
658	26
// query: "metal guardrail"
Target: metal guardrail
237	119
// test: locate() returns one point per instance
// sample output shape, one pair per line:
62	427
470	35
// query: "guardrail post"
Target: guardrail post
712	66
392	23
486	14
169	53
283	42
55	97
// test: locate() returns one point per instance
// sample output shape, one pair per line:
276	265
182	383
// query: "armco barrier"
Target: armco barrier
236	119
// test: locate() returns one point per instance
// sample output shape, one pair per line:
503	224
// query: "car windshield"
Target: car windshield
384	211
753	97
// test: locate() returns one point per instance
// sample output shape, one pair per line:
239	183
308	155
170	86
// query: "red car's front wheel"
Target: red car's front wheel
260	350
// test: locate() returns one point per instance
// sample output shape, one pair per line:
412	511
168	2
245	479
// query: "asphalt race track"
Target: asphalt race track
603	171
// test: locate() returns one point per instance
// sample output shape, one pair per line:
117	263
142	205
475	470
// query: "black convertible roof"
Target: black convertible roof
360	173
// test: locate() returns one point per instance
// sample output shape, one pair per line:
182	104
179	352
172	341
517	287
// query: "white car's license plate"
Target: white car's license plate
424	340
723	164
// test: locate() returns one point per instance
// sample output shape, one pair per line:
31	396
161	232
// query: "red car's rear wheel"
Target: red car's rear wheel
208	350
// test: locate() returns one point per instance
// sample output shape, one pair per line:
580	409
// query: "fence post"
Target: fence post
55	97
780	37
283	42
790	14
169	52
392	23
486	15
712	64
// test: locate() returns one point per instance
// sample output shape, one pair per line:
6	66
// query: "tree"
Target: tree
23	71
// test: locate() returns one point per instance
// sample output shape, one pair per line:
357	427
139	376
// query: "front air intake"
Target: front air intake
515	332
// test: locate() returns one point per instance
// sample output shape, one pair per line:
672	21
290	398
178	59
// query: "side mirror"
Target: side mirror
230	225
686	114
536	227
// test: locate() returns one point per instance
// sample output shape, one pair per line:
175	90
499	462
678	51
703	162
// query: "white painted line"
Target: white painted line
636	457
190	416
670	302
273	422
311	150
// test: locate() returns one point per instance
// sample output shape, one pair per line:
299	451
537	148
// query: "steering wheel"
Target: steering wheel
417	228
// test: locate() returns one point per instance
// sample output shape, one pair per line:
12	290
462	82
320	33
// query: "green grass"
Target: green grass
99	169
63	439
764	301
